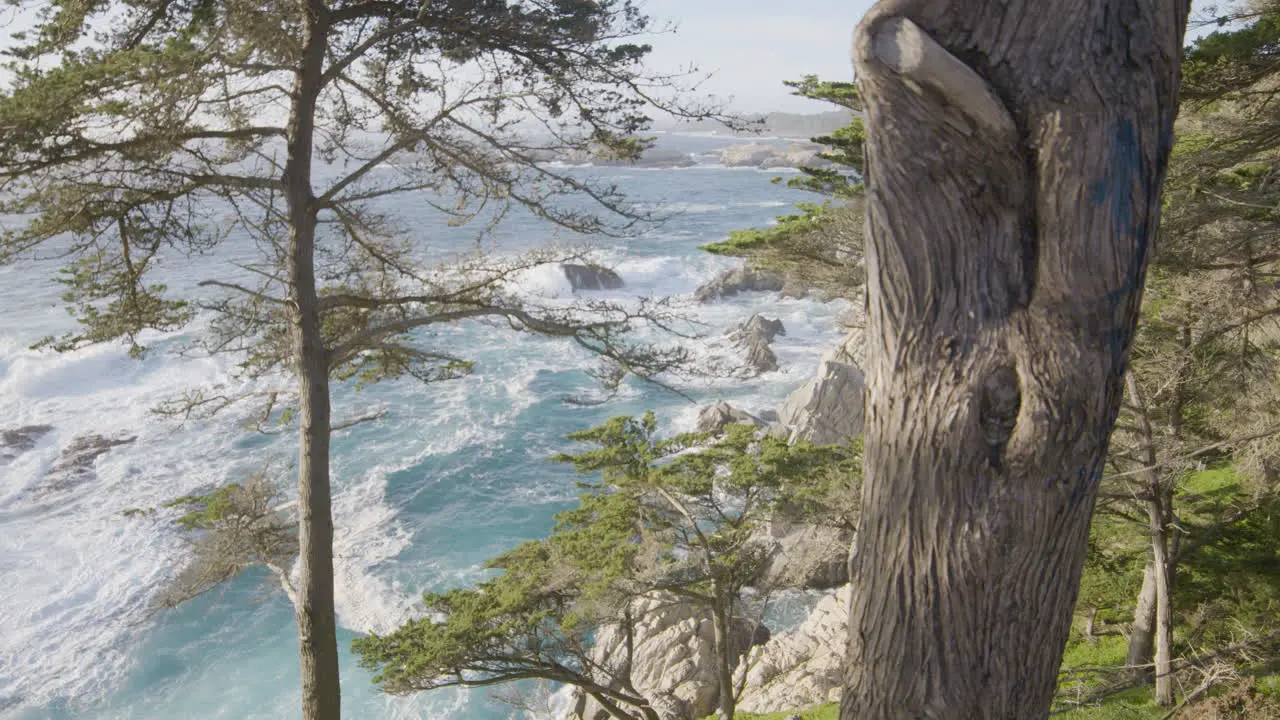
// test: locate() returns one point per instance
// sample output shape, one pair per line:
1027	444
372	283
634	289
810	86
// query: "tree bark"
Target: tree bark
1142	633
317	635
1015	153
1159	514
720	617
1164	611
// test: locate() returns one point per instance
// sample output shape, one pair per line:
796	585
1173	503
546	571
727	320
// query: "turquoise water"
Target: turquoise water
453	474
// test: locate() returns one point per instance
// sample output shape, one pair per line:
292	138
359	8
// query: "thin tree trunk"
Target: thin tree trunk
317	636
720	617
1164	610
1142	633
1159	504
1015	153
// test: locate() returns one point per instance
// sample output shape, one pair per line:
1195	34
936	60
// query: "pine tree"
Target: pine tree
124	145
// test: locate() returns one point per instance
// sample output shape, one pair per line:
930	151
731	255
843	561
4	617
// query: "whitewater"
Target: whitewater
453	473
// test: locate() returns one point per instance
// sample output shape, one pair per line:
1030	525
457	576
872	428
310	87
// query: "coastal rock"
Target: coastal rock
829	408
714	418
15	441
652	158
752	337
737	280
801	667
674	658
758	326
75	465
591	277
815	557
768	156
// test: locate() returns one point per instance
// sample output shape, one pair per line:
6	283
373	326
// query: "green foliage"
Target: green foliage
235	527
1113	573
819	246
830	711
207	511
669	515
811	217
131	132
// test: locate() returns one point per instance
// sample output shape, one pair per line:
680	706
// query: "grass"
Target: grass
1107	651
1135	704
818	712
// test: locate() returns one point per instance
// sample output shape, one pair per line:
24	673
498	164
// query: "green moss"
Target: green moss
1211	481
1107	651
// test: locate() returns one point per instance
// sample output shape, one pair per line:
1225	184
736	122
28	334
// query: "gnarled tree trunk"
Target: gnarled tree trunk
1015	153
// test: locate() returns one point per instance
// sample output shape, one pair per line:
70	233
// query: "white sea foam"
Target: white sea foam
79	576
73	618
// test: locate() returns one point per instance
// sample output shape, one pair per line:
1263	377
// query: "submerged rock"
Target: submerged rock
15	441
591	277
75	465
738	280
801	667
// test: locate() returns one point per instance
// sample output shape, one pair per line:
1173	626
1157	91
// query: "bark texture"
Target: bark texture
1015	155
1142	633
317	637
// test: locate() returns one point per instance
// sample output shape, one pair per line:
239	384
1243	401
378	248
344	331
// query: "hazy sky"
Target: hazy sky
753	45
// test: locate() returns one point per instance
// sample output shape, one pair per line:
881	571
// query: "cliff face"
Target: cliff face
827	409
674	658
802	667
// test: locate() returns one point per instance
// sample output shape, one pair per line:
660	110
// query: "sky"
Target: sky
752	46
749	46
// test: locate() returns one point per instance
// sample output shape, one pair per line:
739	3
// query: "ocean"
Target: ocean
452	475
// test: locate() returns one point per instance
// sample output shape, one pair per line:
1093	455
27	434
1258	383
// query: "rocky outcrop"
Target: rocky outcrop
652	158
738	280
801	667
752	338
591	277
674	663
768	156
828	409
815	557
714	418
15	441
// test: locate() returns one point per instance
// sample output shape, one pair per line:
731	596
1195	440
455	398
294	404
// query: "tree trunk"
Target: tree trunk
1164	610
1015	153
1142	634
720	617
317	637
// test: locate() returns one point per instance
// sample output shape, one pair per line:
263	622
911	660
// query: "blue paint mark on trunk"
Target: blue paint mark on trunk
1124	194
